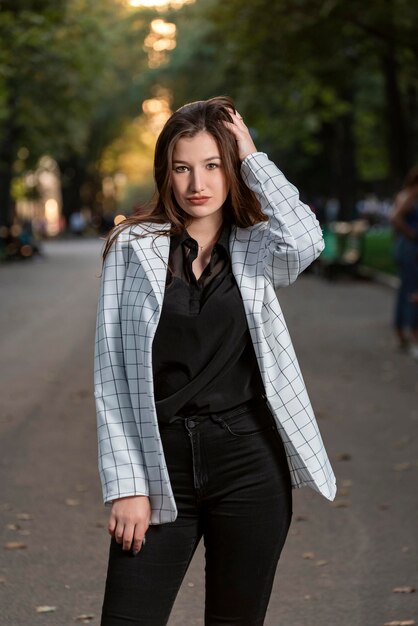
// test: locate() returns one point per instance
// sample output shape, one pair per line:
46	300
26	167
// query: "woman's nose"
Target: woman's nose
197	182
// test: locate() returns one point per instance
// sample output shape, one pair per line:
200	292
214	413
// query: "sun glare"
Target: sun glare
157	110
160	40
160	4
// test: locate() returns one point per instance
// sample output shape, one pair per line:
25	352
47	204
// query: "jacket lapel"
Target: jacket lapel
152	252
244	245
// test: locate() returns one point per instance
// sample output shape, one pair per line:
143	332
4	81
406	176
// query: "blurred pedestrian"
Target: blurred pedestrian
77	223
404	220
204	422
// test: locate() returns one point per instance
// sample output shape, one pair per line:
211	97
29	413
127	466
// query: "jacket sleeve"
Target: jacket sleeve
121	464
293	234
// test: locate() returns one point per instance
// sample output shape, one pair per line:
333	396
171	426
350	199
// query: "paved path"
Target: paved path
365	396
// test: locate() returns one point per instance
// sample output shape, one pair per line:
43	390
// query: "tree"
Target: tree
66	85
329	88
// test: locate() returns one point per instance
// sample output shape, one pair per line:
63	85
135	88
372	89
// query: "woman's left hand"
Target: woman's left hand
242	135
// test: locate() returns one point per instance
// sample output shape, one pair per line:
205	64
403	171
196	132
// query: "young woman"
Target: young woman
204	422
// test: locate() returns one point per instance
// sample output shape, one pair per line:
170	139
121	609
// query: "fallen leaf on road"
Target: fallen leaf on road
45	609
321	563
301	518
5	507
190	584
309	555
401	443
12	526
83	393
72	502
403	590
2	580
347	483
408	622
343	492
343	456
307	597
402	467
15	545
341	504
84	619
24	516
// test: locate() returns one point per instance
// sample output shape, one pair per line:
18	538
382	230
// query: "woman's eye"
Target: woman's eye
180	169
212	166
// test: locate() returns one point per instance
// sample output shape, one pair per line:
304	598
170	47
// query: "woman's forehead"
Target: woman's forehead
200	146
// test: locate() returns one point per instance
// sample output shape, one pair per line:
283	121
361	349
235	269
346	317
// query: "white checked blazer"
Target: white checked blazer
264	257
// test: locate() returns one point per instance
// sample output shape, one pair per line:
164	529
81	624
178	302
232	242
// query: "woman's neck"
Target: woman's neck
205	230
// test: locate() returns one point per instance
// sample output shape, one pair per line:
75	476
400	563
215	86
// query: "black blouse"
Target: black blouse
202	354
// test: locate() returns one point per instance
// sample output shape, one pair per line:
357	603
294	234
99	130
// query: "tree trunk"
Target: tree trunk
92	191
6	201
7	156
346	170
340	160
73	176
412	122
397	136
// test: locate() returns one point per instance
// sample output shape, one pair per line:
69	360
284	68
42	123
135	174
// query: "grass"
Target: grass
378	251
375	248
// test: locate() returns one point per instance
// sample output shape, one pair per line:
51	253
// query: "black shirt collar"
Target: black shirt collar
223	239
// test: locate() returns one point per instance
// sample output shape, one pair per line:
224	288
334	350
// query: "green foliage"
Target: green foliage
70	80
321	84
379	251
300	71
62	66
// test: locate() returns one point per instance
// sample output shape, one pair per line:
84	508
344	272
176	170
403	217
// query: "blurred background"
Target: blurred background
329	90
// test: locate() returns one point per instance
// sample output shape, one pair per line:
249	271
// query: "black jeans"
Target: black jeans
231	483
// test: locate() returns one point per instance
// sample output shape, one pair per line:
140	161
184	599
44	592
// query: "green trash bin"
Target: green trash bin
330	252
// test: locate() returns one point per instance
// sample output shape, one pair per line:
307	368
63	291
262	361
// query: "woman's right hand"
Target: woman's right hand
129	520
242	135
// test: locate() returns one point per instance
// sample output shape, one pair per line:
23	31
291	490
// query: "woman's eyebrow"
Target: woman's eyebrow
204	160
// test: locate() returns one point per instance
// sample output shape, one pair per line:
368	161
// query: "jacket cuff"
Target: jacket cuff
251	158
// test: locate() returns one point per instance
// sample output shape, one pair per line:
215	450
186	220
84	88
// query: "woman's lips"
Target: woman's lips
198	200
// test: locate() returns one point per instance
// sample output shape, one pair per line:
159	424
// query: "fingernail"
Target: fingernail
135	552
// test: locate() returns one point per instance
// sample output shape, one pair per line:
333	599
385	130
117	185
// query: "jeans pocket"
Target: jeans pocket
248	423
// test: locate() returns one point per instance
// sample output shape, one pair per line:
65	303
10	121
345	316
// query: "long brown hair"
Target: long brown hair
241	206
411	178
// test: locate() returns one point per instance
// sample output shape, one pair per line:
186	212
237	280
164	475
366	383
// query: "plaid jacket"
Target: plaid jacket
264	257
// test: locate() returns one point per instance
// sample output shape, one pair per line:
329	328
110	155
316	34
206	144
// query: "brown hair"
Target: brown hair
411	178
241	206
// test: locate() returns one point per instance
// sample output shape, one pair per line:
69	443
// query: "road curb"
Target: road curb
381	278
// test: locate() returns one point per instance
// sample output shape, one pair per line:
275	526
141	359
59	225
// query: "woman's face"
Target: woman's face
198	176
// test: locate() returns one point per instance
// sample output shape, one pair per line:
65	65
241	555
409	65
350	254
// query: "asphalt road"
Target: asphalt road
342	560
